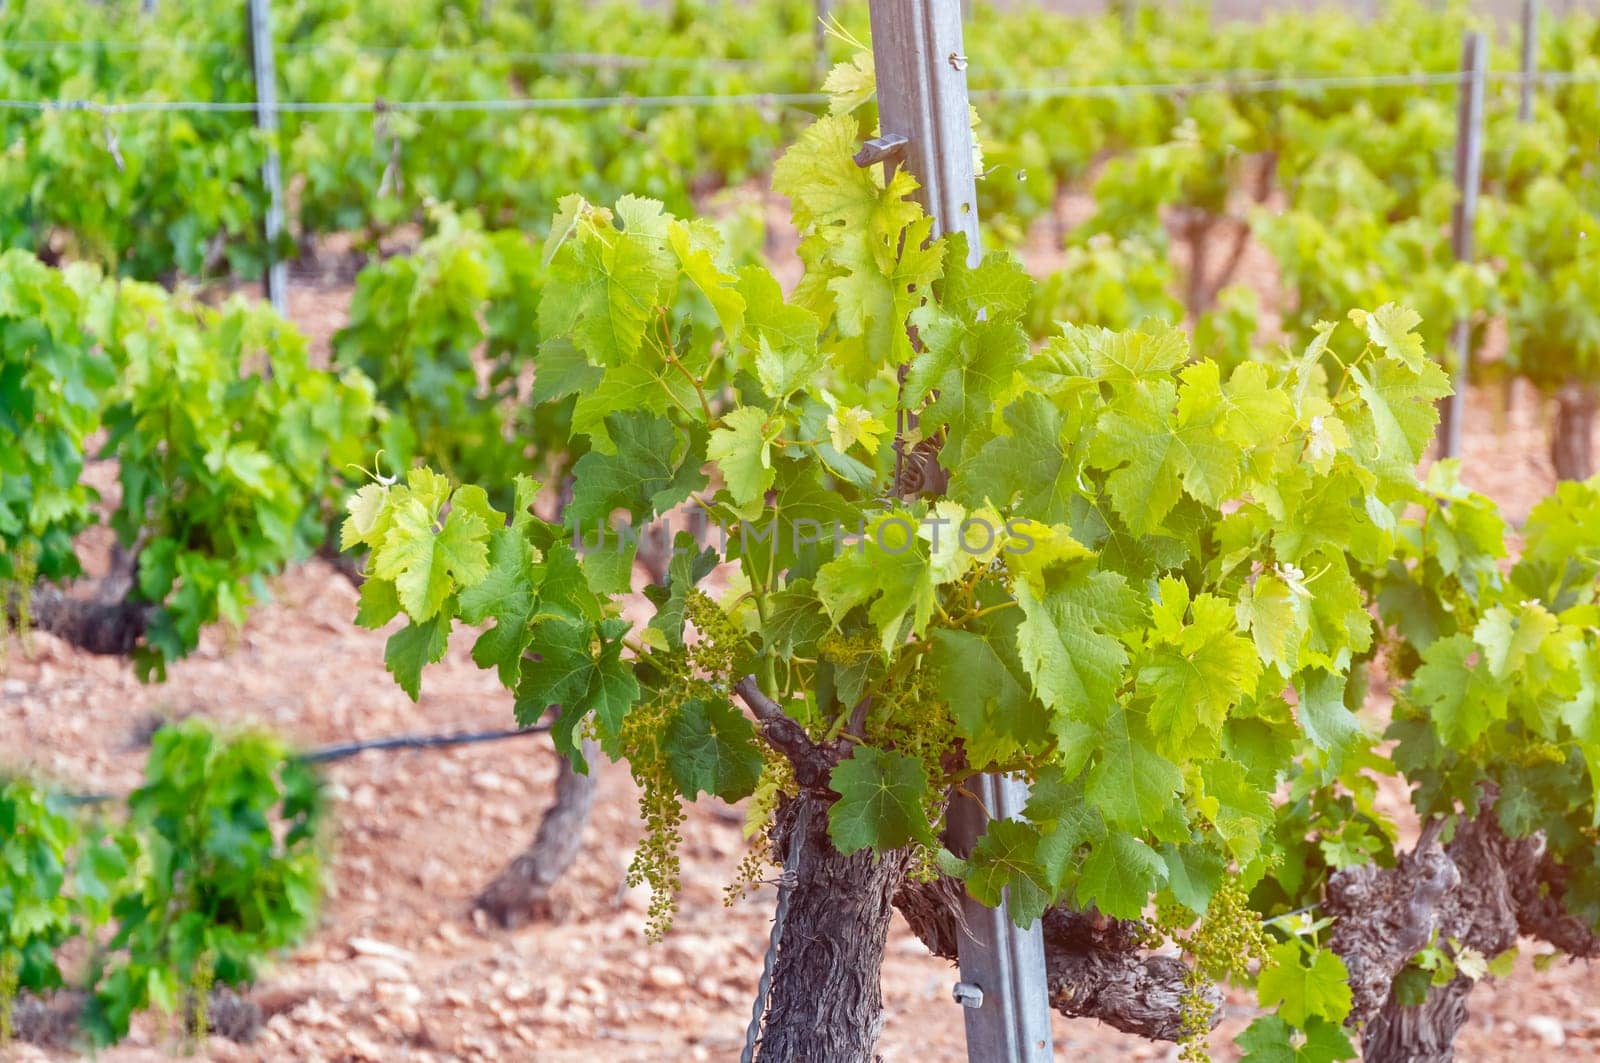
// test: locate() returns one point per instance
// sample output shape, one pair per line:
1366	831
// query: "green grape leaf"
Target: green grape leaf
1457	693
988	691
997	288
379	603
819	176
1303	991
796	620
882	795
696	251
781	338
1275	613
1122	358
1119	874
507	594
1509	639
556	672
425	565
641	477
1197	671
889	567
1241	813
1005	865
1067	640
1327	721
1131	784
1269	1039
743	451
1033	465
1194	871
711	747
1391	327
606	284
412	647
1400	413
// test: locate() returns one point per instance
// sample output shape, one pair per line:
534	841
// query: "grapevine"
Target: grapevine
227	818
1205	542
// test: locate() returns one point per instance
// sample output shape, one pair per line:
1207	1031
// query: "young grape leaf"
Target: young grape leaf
881	799
743	451
1303	991
1119	874
1271	1040
711	746
1004	865
888	568
413	646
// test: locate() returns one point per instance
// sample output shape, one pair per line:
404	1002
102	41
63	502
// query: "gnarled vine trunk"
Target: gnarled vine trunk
94	625
105	621
1572	435
1096	967
1483	890
522	891
826	1002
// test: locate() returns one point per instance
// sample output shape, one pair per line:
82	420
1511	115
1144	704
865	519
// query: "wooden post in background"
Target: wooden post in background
819	38
922	97
1469	174
1129	10
265	72
1530	57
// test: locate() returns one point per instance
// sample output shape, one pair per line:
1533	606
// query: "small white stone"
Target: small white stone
662	976
1547	1029
373	947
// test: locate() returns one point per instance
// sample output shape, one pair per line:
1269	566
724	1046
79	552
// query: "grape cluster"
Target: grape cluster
908	715
777	780
656	862
715	654
702	669
849	650
1223	944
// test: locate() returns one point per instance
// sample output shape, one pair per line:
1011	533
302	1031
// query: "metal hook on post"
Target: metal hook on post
889	148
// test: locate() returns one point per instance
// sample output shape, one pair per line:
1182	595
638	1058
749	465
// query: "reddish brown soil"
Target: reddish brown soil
397	969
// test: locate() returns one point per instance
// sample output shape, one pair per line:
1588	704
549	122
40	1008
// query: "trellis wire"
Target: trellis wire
596	59
565	103
774	99
786	885
345	750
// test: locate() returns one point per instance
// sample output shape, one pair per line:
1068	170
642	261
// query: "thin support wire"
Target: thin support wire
553	59
345	750
786	886
575	103
782	99
777	99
